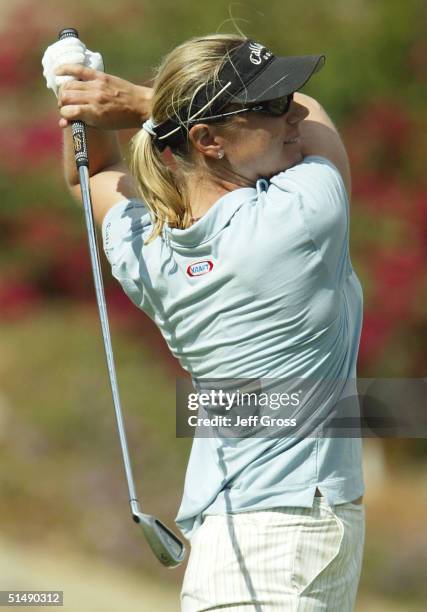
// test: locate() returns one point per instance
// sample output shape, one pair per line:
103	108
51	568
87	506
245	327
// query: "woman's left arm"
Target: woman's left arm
319	136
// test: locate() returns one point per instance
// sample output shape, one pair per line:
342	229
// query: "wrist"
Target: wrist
142	104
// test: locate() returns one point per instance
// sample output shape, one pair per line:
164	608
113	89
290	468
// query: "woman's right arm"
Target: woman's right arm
105	104
320	137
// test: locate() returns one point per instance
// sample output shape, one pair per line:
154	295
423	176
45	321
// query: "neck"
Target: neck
204	192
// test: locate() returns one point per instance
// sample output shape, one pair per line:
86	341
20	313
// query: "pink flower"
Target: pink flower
378	137
17	299
396	275
29	145
45	231
375	333
40	140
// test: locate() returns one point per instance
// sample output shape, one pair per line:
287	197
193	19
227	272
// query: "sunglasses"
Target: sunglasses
274	108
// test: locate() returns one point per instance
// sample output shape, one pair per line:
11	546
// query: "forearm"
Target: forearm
309	127
319	136
311	103
103	151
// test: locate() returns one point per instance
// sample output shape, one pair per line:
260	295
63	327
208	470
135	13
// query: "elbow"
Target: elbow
74	189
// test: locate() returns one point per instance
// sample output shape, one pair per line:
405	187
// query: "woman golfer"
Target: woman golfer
238	249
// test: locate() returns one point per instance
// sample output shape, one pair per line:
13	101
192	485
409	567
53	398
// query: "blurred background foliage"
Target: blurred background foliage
60	456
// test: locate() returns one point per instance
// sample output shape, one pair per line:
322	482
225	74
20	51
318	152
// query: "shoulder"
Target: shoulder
125	222
311	199
316	178
318	193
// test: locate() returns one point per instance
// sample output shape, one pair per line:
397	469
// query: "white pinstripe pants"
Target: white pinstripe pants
287	559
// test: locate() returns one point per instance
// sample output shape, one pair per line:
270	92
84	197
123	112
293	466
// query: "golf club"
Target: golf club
167	547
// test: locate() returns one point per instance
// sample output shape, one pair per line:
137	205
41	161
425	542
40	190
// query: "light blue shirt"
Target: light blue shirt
261	287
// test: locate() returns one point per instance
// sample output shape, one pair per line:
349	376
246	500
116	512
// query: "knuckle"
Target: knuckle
71	112
99	97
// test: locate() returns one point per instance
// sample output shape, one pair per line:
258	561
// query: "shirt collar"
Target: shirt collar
212	222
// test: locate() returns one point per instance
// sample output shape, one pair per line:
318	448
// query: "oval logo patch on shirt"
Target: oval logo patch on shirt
199	268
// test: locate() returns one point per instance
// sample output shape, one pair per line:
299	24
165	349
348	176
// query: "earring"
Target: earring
220	154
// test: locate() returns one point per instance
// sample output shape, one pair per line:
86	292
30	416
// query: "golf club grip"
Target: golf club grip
77	127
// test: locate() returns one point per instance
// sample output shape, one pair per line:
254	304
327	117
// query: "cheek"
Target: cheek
259	146
258	152
247	150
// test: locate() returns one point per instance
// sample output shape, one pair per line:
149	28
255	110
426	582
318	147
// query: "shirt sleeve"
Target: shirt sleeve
323	205
124	230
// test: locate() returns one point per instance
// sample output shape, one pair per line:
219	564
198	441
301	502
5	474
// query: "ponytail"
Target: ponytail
158	185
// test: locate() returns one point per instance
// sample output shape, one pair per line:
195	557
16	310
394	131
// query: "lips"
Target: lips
292	141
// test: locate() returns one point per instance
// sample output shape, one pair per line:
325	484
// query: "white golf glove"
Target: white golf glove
67	51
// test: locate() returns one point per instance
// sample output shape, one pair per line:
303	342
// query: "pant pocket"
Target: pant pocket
318	544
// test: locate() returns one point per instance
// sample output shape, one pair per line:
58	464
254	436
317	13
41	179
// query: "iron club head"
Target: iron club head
167	547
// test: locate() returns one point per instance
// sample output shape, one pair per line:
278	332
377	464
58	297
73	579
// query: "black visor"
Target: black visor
250	74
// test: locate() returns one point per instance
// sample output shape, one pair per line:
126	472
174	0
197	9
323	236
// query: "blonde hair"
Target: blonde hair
179	77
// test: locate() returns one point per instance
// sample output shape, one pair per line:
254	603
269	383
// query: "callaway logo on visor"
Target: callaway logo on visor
256	53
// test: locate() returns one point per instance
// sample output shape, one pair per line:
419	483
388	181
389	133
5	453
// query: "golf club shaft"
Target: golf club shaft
102	307
167	547
82	162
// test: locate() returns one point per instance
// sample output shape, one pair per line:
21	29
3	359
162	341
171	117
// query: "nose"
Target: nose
297	112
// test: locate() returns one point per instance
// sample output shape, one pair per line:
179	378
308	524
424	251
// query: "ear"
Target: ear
203	138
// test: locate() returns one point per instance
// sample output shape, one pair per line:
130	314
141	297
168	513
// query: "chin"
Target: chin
291	160
296	159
